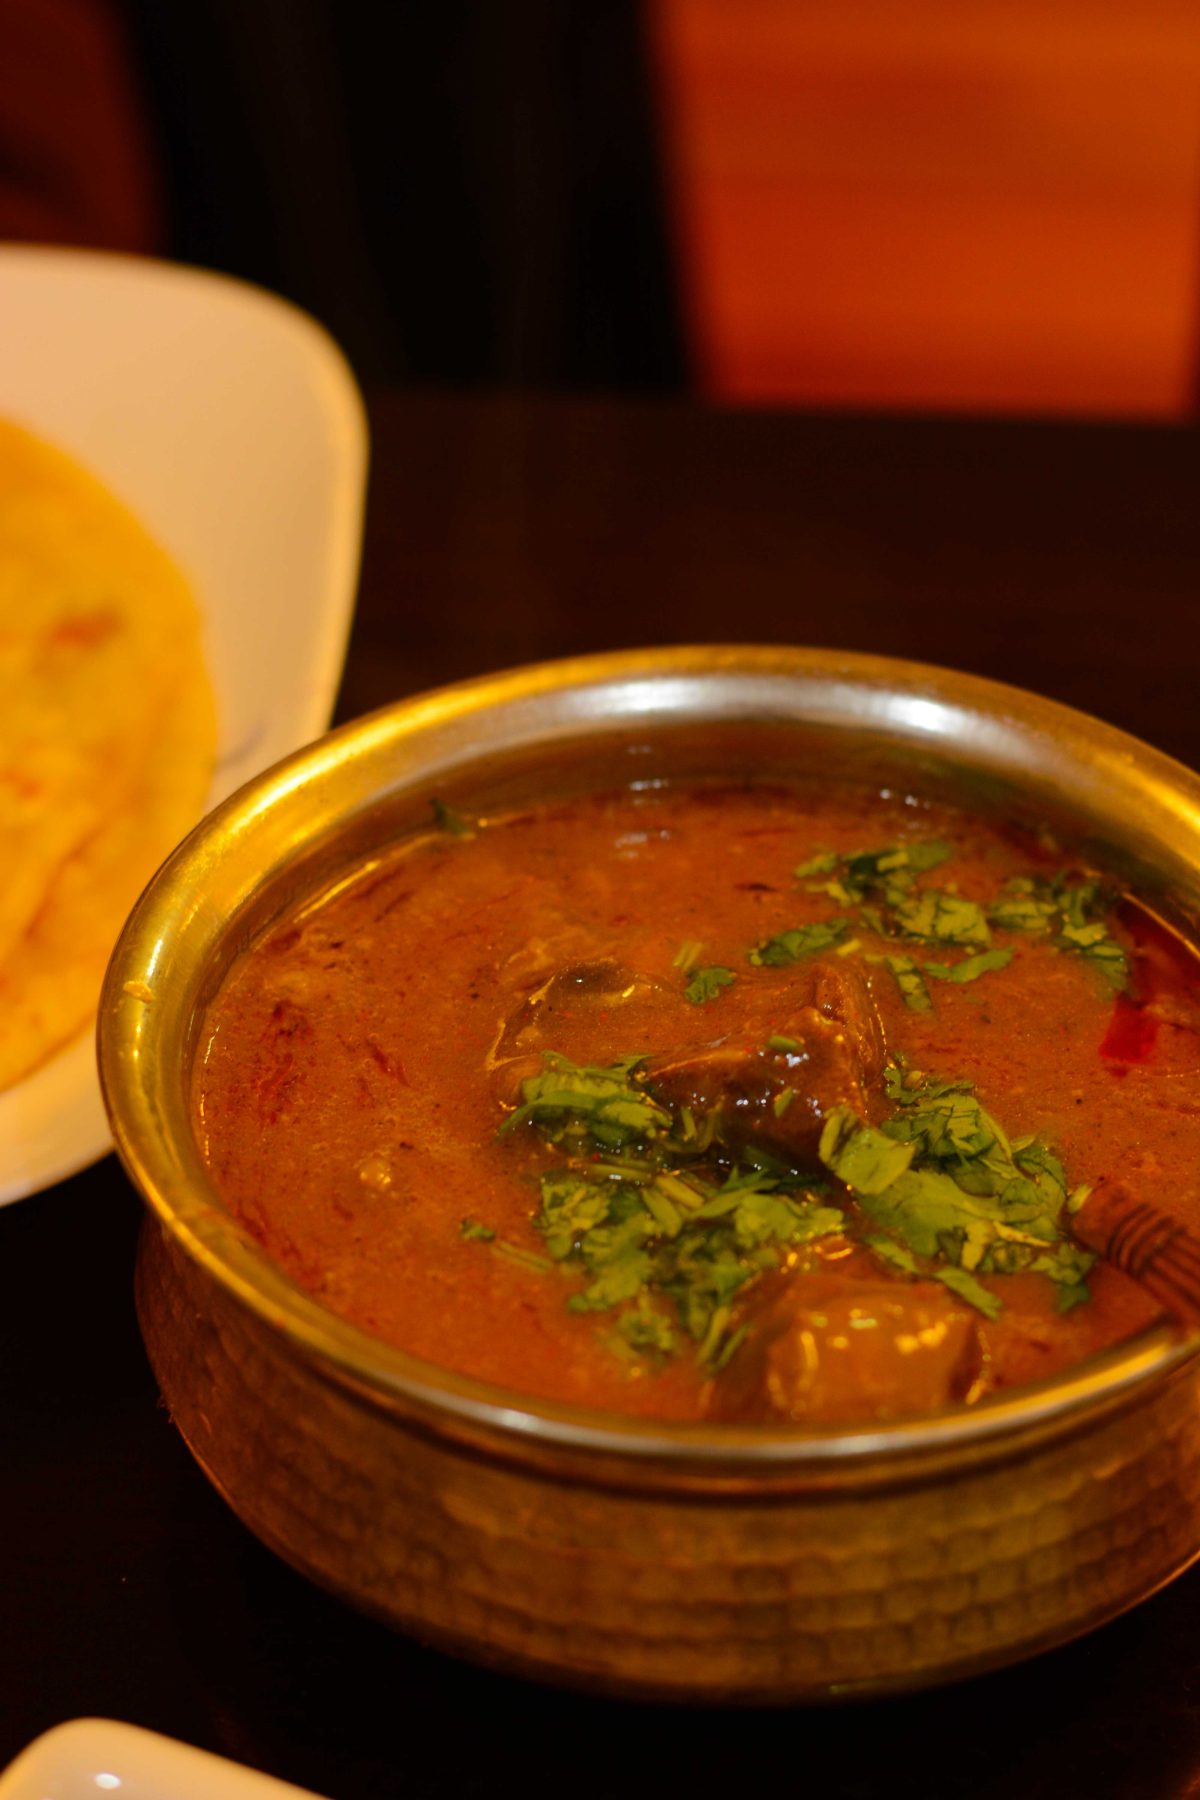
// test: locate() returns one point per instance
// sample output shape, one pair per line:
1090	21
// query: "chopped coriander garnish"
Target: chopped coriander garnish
706	984
1094	942
571	1205
883	885
824	863
890	870
667	1238
663	1209
911	976
866	1159
911	983
723	1350
1071	913
1067	1267
942	1178
474	1232
936	917
684	1193
895	1254
967	1288
1024	905
803	940
604	1102
528	1259
970	968
896	862
647	1330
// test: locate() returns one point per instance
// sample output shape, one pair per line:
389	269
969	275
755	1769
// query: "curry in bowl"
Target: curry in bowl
751	1101
645	1159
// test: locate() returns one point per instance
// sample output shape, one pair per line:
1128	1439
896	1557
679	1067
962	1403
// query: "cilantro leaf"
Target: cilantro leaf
911	983
1023	905
604	1101
517	1253
958	1193
913	1089
619	1274
570	1207
933	1215
891	869
1067	1266
823	863
951	1127
762	1218
663	1209
970	968
1094	942
866	1160
936	917
706	984
970	1290
898	907
896	865
1072	912
895	1254
927	854
803	940
647	1330
663	1237
473	1232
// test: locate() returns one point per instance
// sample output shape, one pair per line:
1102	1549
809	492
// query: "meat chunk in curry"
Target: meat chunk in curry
788	1054
830	1346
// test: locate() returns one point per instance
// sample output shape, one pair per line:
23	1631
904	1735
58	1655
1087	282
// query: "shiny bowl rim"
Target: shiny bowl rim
459	1406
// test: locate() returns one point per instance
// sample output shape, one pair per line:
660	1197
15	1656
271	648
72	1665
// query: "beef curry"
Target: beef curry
754	1102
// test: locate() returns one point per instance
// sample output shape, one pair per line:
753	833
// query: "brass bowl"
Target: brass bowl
657	1559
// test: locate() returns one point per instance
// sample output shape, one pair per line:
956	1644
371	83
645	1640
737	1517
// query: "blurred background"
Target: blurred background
913	204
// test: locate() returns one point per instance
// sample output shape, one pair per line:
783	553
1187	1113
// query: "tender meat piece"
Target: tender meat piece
778	1098
828	1049
544	953
535	1025
778	1095
596	985
842	993
831	1348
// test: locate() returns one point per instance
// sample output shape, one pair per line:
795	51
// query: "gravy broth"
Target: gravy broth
746	1101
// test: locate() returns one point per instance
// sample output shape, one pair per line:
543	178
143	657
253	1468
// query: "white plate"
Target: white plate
231	424
87	1759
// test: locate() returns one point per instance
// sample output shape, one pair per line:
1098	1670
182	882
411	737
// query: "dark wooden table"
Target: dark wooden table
1065	558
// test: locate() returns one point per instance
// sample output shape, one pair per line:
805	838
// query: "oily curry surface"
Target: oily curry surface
742	1102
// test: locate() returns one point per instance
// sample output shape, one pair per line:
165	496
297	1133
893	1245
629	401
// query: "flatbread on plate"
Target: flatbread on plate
107	736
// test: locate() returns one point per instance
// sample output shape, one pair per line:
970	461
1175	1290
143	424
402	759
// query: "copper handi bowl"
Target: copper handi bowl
699	1561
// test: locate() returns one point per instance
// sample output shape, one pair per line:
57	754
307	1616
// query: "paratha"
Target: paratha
106	735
